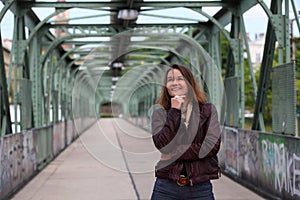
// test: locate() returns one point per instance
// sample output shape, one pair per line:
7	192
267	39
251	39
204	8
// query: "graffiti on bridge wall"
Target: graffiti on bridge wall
22	154
249	158
241	152
269	162
231	150
281	164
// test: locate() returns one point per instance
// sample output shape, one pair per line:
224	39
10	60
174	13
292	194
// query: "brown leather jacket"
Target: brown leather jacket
193	148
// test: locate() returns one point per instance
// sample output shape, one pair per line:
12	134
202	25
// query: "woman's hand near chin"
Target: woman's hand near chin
177	101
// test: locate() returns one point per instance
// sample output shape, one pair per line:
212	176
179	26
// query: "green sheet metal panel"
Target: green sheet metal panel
232	99
26	104
43	141
284	99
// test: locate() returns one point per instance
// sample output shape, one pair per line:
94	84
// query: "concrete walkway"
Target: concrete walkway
95	168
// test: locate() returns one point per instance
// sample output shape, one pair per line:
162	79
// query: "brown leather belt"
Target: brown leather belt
182	181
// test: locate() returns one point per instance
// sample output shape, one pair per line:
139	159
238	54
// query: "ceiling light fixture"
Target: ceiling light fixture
128	14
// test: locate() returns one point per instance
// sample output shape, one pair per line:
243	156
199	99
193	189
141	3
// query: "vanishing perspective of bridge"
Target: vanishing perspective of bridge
91	71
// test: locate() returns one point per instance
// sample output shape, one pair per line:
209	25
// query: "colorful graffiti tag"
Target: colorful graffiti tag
270	162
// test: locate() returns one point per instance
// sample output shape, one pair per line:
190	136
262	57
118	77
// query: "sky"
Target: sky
255	18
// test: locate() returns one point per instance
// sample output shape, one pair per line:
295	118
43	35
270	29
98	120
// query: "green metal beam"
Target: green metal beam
265	71
40	55
122	5
5	120
114	27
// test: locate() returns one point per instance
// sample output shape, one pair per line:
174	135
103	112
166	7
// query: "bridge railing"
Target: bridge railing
267	163
24	154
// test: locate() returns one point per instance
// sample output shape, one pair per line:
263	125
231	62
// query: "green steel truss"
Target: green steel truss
45	79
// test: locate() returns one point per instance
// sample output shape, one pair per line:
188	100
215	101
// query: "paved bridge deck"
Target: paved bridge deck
93	167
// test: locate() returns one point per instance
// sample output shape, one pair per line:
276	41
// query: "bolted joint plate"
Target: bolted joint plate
19	47
281	28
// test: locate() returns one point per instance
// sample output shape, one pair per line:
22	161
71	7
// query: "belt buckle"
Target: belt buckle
182	181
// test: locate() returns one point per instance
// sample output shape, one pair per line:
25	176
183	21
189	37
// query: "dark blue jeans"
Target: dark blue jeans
169	190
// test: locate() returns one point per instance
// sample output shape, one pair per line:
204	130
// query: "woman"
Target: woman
187	133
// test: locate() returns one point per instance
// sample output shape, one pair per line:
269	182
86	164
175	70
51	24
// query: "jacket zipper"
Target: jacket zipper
191	182
190	174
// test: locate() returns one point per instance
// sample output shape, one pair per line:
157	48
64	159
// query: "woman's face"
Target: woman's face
176	83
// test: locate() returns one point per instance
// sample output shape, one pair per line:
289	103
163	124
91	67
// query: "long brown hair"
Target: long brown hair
194	91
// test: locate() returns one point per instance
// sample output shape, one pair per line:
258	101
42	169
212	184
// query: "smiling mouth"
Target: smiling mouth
175	89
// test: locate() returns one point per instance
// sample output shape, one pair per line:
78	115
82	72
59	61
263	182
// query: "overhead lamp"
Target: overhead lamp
128	14
117	65
115	78
82	68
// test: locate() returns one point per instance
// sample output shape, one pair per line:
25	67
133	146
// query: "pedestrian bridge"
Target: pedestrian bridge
113	159
80	79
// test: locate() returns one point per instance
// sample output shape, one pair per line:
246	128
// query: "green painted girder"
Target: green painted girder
265	71
114	27
143	75
5	110
251	71
103	32
122	4
60	40
215	25
22	59
5	117
280	24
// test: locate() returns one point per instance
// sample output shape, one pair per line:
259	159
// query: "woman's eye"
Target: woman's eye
180	78
169	79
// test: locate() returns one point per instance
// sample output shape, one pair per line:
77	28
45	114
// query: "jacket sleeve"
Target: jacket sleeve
165	125
210	145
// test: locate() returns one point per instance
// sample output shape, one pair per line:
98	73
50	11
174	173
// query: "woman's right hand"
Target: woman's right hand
177	101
